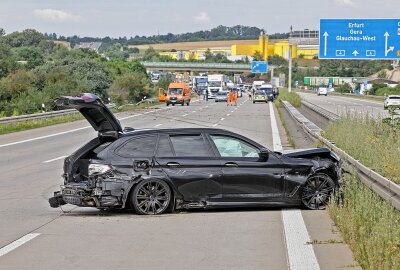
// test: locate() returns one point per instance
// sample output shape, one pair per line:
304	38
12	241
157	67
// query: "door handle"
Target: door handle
231	164
173	164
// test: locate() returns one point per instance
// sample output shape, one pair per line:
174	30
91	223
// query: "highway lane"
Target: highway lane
119	239
346	105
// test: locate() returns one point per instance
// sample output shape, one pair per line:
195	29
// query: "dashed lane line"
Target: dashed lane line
54	159
17	243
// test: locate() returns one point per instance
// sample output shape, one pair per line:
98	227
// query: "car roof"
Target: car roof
187	131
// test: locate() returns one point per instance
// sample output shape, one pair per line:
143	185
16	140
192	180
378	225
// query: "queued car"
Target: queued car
263	96
322	91
392	101
222	96
160	170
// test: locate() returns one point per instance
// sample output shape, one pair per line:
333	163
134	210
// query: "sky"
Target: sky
119	18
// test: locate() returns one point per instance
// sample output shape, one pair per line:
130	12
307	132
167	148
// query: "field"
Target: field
185	46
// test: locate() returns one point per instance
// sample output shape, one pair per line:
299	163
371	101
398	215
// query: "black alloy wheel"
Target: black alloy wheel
317	191
151	197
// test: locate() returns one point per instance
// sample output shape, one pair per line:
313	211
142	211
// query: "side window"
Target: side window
164	148
232	147
143	146
190	146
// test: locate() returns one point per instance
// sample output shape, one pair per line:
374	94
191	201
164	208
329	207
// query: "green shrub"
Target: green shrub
291	97
372	141
369	225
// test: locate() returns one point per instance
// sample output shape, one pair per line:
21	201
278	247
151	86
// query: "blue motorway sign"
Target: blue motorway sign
259	67
359	39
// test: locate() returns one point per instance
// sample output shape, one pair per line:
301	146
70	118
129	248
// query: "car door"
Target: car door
191	165
245	177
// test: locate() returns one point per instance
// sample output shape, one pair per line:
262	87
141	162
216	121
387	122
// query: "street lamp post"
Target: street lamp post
290	61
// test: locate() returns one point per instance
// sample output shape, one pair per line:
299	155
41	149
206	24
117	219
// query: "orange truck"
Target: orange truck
162	95
177	93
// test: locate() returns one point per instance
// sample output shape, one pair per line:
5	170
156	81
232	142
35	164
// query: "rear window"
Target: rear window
143	146
190	146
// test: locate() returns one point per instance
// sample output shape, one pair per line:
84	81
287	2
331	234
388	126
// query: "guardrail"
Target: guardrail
385	188
326	114
35	116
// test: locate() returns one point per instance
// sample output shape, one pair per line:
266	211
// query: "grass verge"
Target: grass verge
369	225
372	141
43	122
292	97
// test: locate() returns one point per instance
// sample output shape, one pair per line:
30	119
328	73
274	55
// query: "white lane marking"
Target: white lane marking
159	125
206	106
215	125
232	111
228	114
185	115
54	159
301	254
222	119
193	111
44	137
17	243
66	132
276	139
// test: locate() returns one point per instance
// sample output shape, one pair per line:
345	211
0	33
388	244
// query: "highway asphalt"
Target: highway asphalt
341	105
86	238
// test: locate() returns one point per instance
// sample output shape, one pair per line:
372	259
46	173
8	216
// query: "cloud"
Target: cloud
345	2
54	15
202	17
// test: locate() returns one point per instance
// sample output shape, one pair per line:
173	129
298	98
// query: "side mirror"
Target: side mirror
263	155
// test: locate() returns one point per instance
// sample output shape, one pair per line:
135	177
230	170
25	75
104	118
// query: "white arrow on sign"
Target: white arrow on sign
391	48
355	53
326	42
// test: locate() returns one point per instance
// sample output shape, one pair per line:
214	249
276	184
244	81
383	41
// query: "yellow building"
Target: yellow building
264	48
280	48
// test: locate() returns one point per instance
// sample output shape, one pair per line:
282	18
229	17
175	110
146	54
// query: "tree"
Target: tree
257	56
150	54
33	55
130	87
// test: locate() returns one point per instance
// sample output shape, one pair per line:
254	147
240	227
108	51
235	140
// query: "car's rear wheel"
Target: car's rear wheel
317	191
151	197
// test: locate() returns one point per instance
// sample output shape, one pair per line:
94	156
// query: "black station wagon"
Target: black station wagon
155	171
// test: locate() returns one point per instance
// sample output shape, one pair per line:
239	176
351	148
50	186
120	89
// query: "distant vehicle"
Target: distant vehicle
322	91
217	83
263	96
178	93
200	83
392	100
222	96
159	170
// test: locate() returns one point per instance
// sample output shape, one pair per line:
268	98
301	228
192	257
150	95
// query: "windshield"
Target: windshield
175	91
214	84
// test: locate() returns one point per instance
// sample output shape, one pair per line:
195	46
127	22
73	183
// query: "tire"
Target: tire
317	191
183	103
167	104
254	102
151	197
326	95
173	104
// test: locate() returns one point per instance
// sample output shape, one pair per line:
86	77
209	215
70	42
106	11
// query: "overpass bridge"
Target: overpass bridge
197	66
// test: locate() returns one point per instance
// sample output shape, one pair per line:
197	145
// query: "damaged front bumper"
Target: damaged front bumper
105	194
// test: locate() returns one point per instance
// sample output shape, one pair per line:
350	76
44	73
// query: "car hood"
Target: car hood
93	109
310	153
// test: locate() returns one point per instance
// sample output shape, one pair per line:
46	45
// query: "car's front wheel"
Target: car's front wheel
317	191
151	197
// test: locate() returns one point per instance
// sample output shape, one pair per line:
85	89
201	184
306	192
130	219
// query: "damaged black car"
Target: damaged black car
158	171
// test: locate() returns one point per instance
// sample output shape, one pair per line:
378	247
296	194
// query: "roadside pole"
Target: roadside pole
290	69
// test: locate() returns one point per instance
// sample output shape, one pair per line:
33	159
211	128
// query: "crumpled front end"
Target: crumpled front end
104	188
